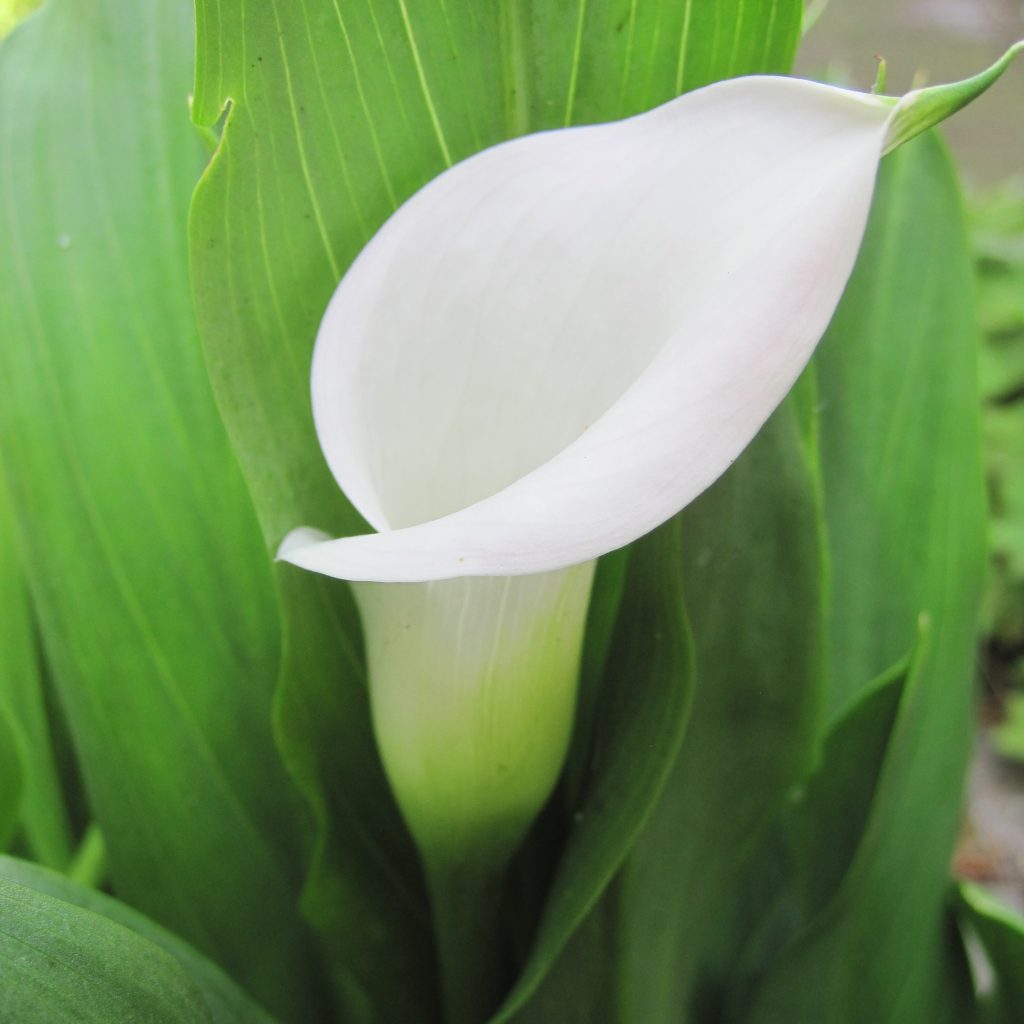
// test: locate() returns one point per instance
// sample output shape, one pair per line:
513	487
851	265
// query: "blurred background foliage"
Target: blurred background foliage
12	11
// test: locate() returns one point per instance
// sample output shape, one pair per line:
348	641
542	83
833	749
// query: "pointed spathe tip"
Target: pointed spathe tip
925	108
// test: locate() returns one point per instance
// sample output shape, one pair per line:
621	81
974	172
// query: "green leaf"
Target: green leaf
825	827
801	861
11	781
42	815
753	579
142	553
602	613
905	511
846	879
226	1002
338	113
897	375
365	891
580	986
645	700
1000	931
63	963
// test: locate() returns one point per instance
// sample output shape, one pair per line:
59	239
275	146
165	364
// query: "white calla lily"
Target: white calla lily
544	354
560	342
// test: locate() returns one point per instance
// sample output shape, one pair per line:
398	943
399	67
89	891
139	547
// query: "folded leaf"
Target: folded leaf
42	814
646	695
753	579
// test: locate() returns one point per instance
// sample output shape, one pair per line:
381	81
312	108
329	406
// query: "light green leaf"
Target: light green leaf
11	779
227	1003
142	553
905	510
41	811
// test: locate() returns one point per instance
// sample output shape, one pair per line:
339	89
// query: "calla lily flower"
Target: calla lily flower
559	343
544	354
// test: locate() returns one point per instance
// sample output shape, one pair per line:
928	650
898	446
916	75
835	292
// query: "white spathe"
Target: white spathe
557	344
473	694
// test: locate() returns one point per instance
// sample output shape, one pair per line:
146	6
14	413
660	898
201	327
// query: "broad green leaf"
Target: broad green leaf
904	507
1000	931
812	959
140	547
580	986
338	113
798	866
43	817
645	700
62	963
897	375
227	1003
753	579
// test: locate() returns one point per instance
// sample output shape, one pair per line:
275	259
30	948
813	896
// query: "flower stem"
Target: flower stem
465	901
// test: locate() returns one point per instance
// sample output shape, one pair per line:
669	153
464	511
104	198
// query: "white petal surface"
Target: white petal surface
558	344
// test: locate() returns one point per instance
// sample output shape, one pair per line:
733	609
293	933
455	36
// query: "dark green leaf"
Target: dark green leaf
753	580
844	878
826	826
143	556
62	963
227	1003
645	700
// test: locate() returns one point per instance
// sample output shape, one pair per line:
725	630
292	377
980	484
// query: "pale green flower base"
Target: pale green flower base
473	692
